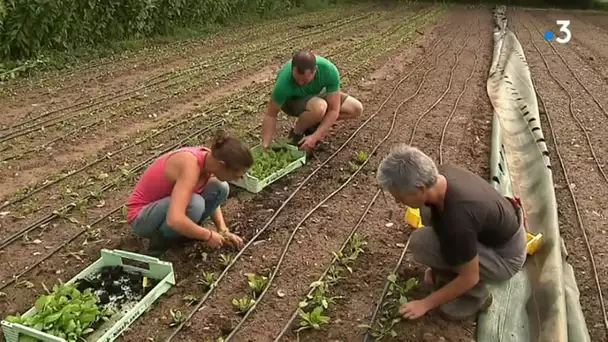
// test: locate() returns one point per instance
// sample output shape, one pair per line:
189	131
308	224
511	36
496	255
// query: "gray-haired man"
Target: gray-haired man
476	234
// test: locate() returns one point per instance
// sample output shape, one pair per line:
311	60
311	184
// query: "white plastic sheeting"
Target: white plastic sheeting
541	302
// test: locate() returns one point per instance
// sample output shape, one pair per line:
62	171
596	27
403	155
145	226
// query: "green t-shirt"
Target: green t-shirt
327	77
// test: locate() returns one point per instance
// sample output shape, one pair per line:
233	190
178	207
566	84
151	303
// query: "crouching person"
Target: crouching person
184	187
474	234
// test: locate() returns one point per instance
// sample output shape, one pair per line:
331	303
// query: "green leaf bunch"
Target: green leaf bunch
65	312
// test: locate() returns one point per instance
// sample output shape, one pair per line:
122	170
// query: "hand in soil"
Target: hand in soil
307	144
215	241
414	309
234	240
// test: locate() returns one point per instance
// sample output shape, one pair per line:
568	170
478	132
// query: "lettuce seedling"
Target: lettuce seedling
243	304
257	283
66	313
313	319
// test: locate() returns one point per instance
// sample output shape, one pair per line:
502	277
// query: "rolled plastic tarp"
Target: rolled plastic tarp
540	303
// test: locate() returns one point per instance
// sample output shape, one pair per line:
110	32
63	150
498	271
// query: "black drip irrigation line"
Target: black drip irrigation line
186	43
109	155
57	249
574	201
135	169
15	277
589	92
297	227
284	204
361	45
332	262
385	290
464	89
67	208
413	135
578	215
570	101
70	206
165	78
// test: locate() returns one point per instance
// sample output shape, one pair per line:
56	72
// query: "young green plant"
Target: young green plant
243	304
66	313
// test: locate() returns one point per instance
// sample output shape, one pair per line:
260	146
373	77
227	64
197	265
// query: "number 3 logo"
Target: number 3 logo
563	27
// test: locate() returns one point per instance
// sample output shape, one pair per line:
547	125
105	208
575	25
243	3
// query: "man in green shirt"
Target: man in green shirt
308	87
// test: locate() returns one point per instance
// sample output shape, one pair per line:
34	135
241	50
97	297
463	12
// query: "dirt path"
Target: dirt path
579	129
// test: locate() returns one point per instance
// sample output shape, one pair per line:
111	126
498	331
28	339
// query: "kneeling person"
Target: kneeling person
181	189
308	87
476	233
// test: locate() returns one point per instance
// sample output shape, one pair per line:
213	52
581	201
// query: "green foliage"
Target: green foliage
28	27
243	304
267	162
66	313
396	296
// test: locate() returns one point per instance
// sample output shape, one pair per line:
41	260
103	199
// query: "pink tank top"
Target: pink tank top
153	185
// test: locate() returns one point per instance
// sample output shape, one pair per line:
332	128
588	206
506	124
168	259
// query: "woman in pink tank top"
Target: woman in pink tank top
182	188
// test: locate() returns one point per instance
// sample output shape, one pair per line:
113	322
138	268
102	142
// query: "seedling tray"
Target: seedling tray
255	185
153	268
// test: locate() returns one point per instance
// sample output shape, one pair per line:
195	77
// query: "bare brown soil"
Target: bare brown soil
423	81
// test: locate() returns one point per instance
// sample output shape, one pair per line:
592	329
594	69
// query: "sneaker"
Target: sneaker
295	138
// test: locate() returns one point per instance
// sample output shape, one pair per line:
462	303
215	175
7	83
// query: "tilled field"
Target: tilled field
72	145
571	81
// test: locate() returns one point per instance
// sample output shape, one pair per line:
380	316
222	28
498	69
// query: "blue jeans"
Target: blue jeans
152	219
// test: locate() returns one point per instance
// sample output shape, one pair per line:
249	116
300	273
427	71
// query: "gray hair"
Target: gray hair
405	169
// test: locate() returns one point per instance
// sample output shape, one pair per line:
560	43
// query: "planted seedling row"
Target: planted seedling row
189	121
262	230
114	114
313	307
160	82
396	295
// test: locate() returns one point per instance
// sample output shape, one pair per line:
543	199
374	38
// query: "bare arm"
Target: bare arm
333	111
269	125
184	169
468	276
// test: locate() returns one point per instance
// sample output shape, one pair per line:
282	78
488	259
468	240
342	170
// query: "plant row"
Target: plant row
29	26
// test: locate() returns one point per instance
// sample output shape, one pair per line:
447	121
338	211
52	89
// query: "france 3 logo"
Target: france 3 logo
565	34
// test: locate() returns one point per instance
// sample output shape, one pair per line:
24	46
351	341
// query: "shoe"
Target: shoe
464	308
295	138
311	130
159	245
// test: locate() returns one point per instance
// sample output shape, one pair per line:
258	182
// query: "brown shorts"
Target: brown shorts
296	106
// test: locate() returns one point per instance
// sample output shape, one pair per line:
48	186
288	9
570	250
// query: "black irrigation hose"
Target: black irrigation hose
297	227
284	204
464	89
70	206
333	260
111	154
15	277
567	179
385	290
570	101
413	135
165	78
57	249
361	45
